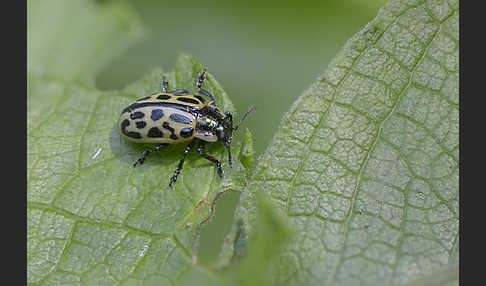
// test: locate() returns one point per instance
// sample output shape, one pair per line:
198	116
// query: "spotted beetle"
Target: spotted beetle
178	116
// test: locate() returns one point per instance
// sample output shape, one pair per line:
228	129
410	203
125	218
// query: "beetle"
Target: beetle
178	116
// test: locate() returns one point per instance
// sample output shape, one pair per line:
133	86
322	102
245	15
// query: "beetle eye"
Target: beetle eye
228	115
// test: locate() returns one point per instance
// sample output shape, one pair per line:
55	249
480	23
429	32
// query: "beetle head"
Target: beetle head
225	133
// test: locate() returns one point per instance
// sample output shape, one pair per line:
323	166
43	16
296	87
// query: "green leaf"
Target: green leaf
273	231
271	234
71	40
91	217
365	163
364	166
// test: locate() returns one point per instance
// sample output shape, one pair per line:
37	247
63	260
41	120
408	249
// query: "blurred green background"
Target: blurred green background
263	53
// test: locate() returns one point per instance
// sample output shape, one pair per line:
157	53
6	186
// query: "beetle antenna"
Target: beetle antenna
244	116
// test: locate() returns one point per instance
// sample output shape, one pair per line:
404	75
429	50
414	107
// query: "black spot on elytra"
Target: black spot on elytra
167	126
180	118
124	125
186	132
144	98
155	132
163	96
188	100
140	124
199	97
157	114
137	115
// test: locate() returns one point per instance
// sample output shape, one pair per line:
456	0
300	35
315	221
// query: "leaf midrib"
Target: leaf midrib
84	219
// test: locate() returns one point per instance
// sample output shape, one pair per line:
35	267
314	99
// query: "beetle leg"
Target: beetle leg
164	85
206	93
229	156
200	149
146	153
202	77
181	163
